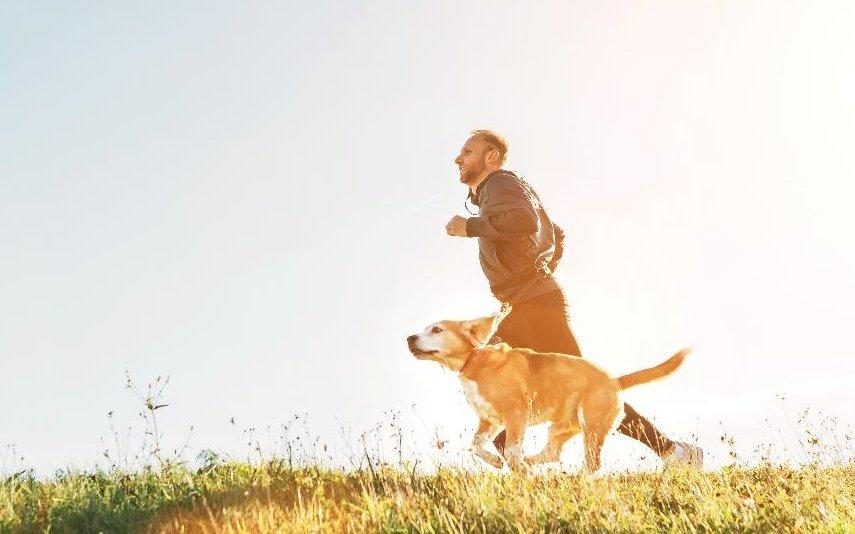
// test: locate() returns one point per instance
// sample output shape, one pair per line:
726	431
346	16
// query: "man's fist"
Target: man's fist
456	226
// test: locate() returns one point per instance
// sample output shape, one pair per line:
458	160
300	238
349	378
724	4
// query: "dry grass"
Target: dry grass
274	498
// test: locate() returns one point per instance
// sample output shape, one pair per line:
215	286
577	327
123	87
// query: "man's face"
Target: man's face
472	159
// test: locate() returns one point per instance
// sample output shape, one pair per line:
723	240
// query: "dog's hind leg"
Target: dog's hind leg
597	413
486	431
594	438
559	433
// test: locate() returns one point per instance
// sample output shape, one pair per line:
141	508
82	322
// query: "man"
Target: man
519	248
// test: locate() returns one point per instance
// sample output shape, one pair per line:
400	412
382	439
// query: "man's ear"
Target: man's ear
479	331
492	157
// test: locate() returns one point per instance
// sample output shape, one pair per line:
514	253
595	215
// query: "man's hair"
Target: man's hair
494	142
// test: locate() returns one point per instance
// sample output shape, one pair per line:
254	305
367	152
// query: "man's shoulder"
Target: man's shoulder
501	181
502	176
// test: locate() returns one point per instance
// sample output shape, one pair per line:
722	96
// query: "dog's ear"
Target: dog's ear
501	314
479	331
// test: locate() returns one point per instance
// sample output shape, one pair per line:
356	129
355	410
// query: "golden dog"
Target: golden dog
517	387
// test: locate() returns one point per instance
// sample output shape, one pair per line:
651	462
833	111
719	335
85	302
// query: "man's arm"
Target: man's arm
513	215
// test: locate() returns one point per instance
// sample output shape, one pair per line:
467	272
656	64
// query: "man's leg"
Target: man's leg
639	428
541	324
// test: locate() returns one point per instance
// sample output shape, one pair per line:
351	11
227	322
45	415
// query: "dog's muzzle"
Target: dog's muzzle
411	343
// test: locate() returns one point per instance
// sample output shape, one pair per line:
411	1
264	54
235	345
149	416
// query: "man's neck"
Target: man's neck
473	185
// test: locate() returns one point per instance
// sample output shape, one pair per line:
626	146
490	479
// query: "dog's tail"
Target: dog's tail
654	373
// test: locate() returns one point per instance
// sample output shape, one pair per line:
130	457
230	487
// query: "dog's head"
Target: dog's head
451	342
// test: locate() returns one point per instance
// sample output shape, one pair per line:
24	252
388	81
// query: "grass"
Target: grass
238	497
153	490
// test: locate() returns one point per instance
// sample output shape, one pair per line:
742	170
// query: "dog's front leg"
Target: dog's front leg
485	433
515	429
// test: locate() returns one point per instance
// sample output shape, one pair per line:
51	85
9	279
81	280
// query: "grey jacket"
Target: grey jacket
519	246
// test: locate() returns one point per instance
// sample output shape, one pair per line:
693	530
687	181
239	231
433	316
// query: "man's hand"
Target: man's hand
456	226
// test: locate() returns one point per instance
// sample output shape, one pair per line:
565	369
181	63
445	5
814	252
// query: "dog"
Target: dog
517	387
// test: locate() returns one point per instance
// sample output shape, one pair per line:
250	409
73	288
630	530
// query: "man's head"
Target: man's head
482	154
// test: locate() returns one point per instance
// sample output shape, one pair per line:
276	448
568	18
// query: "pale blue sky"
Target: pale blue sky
251	198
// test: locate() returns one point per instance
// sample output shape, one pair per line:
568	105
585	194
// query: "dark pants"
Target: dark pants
543	325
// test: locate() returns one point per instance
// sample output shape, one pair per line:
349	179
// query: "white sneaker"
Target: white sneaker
686	454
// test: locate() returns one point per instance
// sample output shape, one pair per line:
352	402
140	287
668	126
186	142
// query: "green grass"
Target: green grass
234	497
154	490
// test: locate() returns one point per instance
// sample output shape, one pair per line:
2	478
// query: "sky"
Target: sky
250	198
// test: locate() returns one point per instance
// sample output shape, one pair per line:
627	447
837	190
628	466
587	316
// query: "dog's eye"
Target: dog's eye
435	330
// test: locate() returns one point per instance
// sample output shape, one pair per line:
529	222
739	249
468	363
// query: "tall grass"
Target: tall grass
156	489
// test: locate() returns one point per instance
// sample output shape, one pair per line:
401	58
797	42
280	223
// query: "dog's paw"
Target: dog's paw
522	468
490	458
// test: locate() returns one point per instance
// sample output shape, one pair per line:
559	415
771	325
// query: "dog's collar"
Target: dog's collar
469	358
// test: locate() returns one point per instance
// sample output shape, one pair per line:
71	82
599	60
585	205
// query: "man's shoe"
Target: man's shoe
683	453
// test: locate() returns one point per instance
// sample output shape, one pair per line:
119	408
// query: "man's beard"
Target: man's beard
468	176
